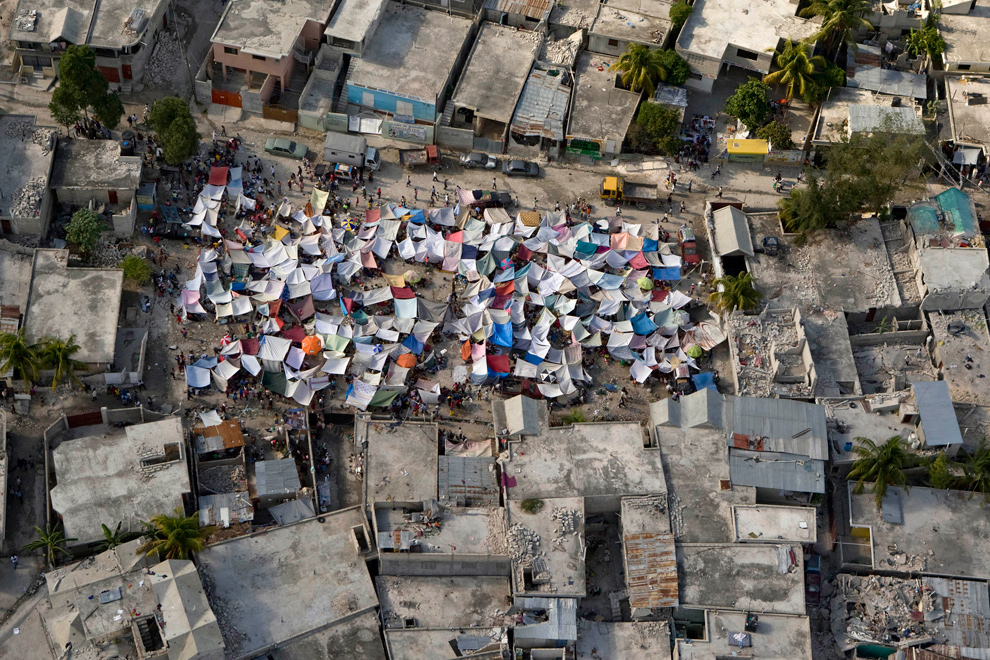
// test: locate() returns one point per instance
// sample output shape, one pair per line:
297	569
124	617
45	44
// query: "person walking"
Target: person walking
719	195
435	177
494	184
408	182
690	181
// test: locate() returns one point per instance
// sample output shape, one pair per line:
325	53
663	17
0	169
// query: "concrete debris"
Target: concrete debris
885	610
164	60
223	479
26	202
524	543
563	51
567	521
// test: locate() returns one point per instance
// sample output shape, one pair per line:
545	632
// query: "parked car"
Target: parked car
478	160
688	245
520	168
287	148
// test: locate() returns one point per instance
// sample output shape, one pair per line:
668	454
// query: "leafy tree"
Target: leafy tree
676	67
796	69
823	204
679	13
18	356
734	292
881	465
977	471
640	68
825	79
84	229
171	119
531	505
939	474
50	541
174	537
655	129
114	537
777	133
82	87
842	20
927	40
749	103
135	269
574	417
56	354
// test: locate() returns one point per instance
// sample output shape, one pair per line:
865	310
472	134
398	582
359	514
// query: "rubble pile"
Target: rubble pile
524	543
886	285
562	51
567	521
107	254
223	479
164	60
885	610
26	202
19	129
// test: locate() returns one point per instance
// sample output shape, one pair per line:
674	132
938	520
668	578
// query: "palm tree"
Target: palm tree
174	537
641	68
882	465
842	20
18	356
114	537
734	292
797	67
57	354
50	540
976	471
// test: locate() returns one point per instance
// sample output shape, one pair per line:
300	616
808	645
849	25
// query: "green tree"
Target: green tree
174	537
939	475
171	119
734	292
777	133
796	69
82	87
881	465
114	537
19	357
84	229
825	79
50	541
927	40
56	354
976	471
749	103
841	22
822	204
640	69
676	67
135	269
655	129
679	13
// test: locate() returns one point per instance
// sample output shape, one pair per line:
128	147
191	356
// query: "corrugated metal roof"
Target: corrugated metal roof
670	95
890	81
467	480
276	477
868	118
651	569
561	623
776	471
779	425
938	417
542	106
967	611
537	9
238	505
225	435
732	235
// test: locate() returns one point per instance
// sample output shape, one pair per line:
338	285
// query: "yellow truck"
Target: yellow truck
619	191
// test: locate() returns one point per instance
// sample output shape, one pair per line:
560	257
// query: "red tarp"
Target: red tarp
402	293
249	346
498	363
295	334
218	176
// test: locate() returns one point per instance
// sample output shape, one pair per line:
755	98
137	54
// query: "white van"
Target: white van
350	150
372	159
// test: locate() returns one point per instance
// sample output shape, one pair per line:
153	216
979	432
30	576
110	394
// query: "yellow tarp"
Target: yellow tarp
748	147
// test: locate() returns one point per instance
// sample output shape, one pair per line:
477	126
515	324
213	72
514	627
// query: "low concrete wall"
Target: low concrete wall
443	565
903	337
461	139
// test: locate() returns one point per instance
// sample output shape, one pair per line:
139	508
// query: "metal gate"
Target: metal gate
85	419
281	113
221	97
111	73
489	146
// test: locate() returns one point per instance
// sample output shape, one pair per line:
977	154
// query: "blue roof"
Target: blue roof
923	218
957	207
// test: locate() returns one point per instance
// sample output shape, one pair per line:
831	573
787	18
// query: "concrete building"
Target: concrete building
438	602
95	171
540	114
526	15
648	557
492	82
623	22
84	302
774	524
27	154
122	34
357	638
969	114
832	123
476	643
785	366
958	348
546	544
409	66
122	476
736	33
966	50
629	641
259	49
192	631
775	637
601	111
281	586
921	531
352	24
401	465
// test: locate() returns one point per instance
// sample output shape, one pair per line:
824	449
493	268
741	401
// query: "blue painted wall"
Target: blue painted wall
385	101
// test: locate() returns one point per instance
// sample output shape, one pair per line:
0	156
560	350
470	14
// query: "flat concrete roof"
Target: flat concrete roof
965	35
102	479
855	274
643	640
747	577
434	602
600	109
84	302
951	350
954	269
21	161
453	531
828	338
411	52
774	524
496	71
288	582
108	29
969	124
417	644
260	27
358	638
944	532
776	637
833	121
402	463
353	18
715	26
94	164
15	277
634	20
98	23
858	422
560	546
584	460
